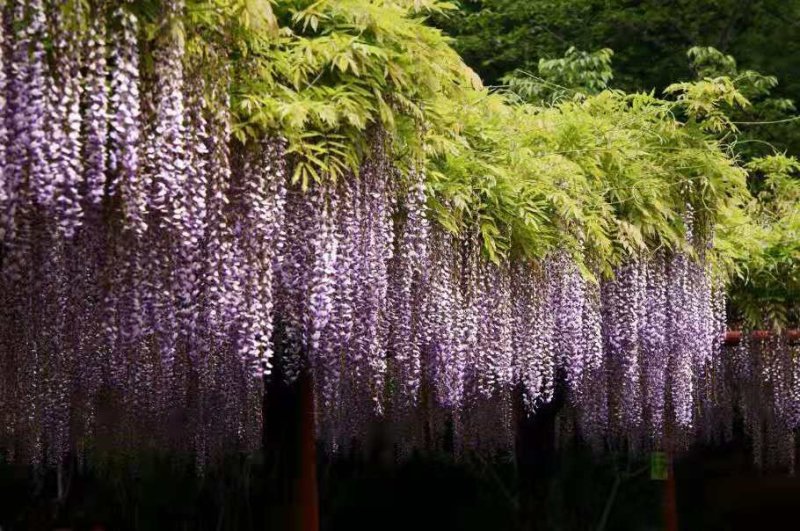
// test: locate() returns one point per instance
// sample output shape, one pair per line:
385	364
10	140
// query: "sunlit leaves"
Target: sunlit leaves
768	250
703	101
574	75
608	172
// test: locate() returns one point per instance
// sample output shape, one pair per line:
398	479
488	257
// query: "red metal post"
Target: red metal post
734	337
761	334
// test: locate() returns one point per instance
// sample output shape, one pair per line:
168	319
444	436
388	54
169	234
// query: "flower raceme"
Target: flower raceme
155	269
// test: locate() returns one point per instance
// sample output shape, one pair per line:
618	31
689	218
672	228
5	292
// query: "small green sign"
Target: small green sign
659	466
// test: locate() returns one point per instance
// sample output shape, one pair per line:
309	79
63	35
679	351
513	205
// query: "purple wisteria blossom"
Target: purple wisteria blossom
96	97
406	277
125	132
157	269
64	122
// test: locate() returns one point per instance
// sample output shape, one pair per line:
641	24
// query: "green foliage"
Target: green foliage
560	161
577	73
759	133
649	39
604	176
707	102
338	69
745	113
323	74
768	287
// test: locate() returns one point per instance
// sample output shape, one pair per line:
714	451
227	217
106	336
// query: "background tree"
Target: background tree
649	39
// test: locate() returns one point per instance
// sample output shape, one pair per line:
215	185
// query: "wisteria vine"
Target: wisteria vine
155	270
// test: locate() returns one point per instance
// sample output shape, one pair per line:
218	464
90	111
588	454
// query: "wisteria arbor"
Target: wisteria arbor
160	244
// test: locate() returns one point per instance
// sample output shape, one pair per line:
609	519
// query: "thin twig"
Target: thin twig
765	122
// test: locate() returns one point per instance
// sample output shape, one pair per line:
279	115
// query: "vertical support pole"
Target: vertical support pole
670	501
290	454
306	500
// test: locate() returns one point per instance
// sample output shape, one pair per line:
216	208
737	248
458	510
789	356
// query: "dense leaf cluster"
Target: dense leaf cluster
602	175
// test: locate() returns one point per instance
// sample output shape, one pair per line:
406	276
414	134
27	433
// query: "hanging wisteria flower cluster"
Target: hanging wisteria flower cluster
391	314
138	243
757	393
154	269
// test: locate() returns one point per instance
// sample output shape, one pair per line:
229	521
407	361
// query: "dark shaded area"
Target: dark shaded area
719	489
422	494
285	410
541	485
